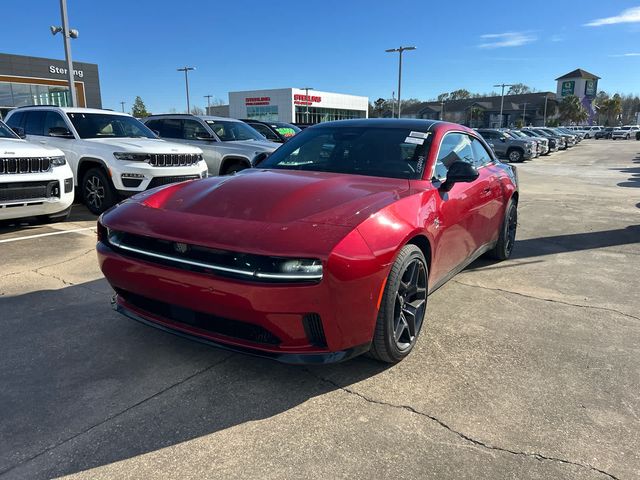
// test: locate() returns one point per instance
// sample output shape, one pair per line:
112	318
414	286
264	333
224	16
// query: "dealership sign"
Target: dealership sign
568	88
63	71
299	99
590	88
257	100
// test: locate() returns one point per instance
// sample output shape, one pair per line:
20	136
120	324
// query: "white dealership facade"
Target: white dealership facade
295	105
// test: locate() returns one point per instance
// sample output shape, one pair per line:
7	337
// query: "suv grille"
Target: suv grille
25	165
158	181
13	191
201	320
173	159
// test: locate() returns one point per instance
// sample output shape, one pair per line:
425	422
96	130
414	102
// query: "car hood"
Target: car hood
143	145
15	147
257	145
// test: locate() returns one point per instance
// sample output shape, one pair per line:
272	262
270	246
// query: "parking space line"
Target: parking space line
29	237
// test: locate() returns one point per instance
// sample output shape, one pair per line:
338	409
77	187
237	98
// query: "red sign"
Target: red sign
299	99
257	100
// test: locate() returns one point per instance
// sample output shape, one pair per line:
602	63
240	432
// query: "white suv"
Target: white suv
627	132
112	155
35	180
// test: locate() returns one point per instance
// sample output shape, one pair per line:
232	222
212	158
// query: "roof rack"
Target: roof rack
36	106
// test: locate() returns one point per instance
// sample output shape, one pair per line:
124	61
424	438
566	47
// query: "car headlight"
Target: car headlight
58	161
293	269
131	157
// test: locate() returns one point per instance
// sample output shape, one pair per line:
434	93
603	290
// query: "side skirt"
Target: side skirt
468	261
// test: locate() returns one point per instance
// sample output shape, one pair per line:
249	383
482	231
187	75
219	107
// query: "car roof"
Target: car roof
188	115
72	109
410	123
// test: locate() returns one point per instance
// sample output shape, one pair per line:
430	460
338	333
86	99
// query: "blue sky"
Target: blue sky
331	45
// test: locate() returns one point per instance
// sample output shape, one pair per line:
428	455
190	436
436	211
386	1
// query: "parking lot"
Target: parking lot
525	369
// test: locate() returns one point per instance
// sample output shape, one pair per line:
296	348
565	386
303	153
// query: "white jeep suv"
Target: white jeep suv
112	155
35	180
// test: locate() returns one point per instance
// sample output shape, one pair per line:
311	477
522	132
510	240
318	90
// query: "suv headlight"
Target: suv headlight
131	157
301	269
58	161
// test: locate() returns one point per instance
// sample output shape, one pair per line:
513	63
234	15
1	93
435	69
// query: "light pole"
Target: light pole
502	98
186	70
208	97
399	50
442	110
67	35
306	101
546	98
393	104
524	115
122	103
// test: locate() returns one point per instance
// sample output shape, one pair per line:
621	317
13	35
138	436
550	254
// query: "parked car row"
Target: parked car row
105	156
624	132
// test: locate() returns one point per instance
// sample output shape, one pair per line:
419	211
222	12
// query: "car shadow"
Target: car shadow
79	213
83	386
634	174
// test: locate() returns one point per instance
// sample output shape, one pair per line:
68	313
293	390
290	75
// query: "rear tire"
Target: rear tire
507	236
514	156
97	191
403	307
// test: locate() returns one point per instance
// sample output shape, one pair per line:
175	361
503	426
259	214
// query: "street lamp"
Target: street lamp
524	115
546	98
502	98
306	101
67	34
208	97
122	103
399	50
186	70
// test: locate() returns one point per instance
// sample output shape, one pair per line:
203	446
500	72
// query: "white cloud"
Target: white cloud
507	39
630	15
633	54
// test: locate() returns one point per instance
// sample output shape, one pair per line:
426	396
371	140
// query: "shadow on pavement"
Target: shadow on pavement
634	175
83	386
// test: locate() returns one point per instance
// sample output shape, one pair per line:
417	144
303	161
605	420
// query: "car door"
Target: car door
462	210
67	145
194	133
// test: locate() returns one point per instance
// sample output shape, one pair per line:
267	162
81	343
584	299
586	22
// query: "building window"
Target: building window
315	115
13	94
266	113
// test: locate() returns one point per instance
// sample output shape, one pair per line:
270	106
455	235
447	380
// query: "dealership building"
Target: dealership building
44	81
295	105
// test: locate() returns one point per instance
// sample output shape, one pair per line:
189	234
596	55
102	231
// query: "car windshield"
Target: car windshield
625	128
6	132
378	152
285	129
233	131
518	134
105	125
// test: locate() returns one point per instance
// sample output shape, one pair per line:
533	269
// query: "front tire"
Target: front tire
403	307
507	236
97	192
515	156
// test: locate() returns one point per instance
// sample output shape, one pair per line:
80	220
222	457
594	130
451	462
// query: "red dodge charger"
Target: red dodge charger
326	250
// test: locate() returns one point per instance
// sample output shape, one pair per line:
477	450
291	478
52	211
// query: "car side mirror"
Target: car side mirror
261	157
60	132
204	136
502	139
459	172
19	131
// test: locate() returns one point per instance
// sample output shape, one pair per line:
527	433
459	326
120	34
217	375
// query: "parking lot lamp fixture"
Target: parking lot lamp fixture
546	98
208	97
122	104
186	70
399	50
502	99
67	35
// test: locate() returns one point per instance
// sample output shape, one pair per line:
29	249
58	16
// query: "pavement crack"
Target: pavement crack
116	415
537	456
550	300
35	270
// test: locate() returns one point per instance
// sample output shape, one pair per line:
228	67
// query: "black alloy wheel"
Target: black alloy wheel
515	156
403	307
97	192
507	236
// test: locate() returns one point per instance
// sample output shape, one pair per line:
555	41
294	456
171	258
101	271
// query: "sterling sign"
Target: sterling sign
299	99
63	71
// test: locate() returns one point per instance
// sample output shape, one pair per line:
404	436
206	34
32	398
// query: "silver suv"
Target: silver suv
513	149
229	145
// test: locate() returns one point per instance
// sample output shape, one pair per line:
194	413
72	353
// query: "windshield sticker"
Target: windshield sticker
417	141
420	164
418	135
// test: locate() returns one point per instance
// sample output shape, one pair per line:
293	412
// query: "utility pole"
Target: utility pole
393	104
502	99
122	104
208	97
400	50
546	98
67	35
186	70
442	110
524	115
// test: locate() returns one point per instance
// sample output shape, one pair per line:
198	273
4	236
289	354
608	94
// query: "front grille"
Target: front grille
158	181
204	321
15	191
173	159
313	329
24	165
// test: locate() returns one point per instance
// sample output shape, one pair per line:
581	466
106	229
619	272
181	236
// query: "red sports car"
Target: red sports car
326	250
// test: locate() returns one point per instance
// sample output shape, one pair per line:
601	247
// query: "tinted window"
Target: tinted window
266	131
169	127
380	152
101	125
230	131
53	120
15	120
480	155
35	123
193	129
6	132
454	147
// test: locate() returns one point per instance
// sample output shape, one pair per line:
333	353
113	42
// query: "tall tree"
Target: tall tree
518	89
379	107
571	110
459	94
139	110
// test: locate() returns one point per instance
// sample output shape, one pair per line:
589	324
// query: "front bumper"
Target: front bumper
130	178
